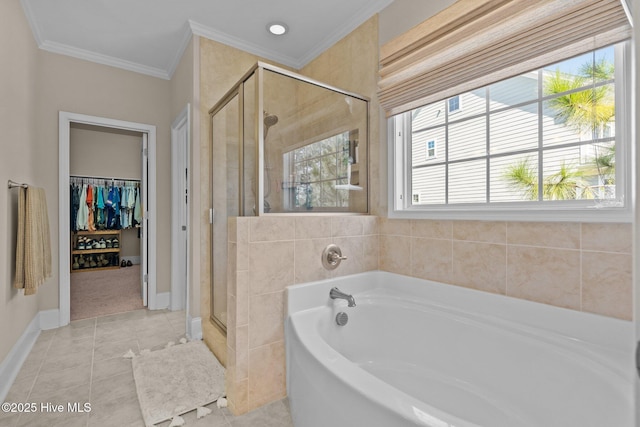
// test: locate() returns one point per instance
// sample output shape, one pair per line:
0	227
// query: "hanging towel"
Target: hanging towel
33	245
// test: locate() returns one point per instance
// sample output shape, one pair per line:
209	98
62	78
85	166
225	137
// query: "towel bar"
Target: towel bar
13	184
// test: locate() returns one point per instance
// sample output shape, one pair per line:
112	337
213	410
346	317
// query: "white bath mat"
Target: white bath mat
176	380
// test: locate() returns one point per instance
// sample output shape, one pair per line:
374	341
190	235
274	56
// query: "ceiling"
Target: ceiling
149	36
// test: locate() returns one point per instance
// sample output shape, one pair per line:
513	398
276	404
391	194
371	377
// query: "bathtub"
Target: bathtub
421	353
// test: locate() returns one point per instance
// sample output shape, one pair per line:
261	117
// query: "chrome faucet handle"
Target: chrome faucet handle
335	256
331	257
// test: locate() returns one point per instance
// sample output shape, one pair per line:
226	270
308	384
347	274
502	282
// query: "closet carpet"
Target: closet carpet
99	293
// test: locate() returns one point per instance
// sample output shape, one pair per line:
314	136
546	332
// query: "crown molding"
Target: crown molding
187	34
99	58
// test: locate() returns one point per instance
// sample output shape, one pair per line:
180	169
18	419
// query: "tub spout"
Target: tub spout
337	293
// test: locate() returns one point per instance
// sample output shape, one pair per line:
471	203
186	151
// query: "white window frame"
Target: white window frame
399	205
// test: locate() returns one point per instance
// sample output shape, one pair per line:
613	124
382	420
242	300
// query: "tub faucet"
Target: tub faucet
337	293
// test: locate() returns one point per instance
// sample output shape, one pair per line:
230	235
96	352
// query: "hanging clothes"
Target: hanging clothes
91	223
83	210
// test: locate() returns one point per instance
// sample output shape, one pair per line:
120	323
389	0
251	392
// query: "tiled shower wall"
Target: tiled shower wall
581	266
267	254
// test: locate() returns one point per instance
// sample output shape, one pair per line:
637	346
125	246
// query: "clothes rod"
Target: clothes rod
104	178
13	184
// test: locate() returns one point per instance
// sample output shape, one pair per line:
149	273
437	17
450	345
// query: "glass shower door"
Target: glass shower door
225	193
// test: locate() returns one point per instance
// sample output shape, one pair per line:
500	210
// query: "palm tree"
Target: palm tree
562	185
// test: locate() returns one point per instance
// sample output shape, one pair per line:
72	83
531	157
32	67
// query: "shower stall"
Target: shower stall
282	143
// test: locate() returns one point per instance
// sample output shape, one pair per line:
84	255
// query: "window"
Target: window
551	138
454	104
315	169
431	149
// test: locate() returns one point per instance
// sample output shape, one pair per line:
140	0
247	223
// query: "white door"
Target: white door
144	240
179	210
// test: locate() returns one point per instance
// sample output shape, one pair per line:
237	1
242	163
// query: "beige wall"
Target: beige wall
18	153
78	86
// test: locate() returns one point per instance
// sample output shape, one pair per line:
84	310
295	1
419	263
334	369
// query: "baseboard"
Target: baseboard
163	300
49	319
12	363
194	328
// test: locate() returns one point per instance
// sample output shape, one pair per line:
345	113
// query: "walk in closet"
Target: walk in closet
105	216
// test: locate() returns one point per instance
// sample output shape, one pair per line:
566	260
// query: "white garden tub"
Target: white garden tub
416	352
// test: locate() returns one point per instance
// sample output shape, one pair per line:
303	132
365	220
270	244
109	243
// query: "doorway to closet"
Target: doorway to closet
106	191
107	251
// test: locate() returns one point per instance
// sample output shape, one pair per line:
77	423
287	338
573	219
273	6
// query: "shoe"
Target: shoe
129	263
81	261
95	244
75	265
116	243
123	263
80	244
109	244
93	263
103	244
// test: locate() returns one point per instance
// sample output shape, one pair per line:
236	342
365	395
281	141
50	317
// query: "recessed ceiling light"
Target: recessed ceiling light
277	28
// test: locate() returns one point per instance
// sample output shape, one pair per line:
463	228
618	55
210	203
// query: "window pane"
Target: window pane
569	71
429	183
515	90
514	178
563	174
514	129
471	104
419	149
468	139
468	182
428	116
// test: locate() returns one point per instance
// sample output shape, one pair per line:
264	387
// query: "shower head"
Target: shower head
269	120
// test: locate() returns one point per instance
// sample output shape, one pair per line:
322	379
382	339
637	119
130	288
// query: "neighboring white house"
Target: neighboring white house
473	138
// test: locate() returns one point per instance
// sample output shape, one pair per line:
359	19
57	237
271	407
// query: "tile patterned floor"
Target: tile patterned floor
83	362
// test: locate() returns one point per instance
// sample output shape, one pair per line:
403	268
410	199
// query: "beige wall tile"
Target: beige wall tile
607	237
481	266
266	319
242	352
232	228
308	260
370	252
352	248
395	254
271	266
431	229
480	231
544	234
242	298
401	227
313	227
369	224
550	276
262	229
346	226
431	259
232	267
267	381
607	285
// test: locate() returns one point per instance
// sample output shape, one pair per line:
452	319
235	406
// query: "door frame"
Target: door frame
64	133
180	211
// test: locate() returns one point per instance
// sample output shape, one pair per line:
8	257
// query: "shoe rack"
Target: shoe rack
95	250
